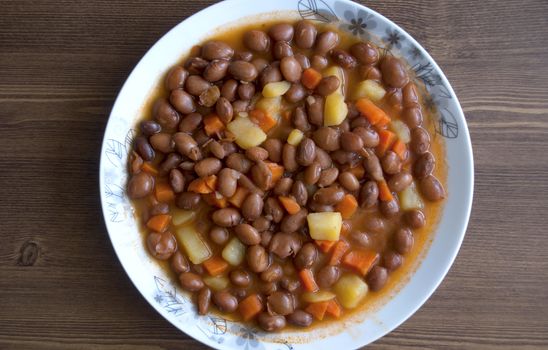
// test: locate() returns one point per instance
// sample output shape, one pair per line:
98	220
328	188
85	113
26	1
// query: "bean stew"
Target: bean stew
286	174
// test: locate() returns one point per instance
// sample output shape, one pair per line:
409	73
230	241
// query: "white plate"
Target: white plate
157	287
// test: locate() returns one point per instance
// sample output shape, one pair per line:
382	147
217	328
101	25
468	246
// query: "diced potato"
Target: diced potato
370	89
350	290
339	73
401	130
325	226
410	198
270	105
319	296
247	134
335	109
181	217
195	247
276	89
295	137
216	283
234	252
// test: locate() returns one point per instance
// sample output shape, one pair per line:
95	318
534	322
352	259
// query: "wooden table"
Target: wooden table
61	66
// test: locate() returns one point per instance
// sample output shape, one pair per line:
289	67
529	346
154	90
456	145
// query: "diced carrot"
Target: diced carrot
263	119
277	171
159	223
372	113
360	260
333	308
358	171
311	78
385	194
341	247
149	168
386	139
290	204
400	149
239	196
309	283
347	207
200	186
318	309
211	181
250	307
215	265
345	228
325	246
163	192
213	125
216	199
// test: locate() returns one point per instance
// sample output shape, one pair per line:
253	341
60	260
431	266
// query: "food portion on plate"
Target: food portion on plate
283	171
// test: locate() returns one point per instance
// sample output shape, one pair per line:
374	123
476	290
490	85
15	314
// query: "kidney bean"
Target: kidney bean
329	195
243	56
246	182
240	278
257	258
196	85
191	281
285	244
370	73
179	263
327	177
187	146
410	96
299	192
266	236
281	32
143	148
274	149
306	257
376	278
252	207
366	53
412	116
207	166
415	218
432	189
305	34
225	301
240	106
303	60
306	152
280	303
394	98
259	63
270	74
165	114
424	165
256	40
369	194
190	123
227	182
140	185
300	119
420	140
319	62
267	288
327	138
323	158
256	154
229	89
159	209
392	261
216	149
214	50
351	142
209	97
315	109
271	323
171	162
296	93
403	240
349	181
300	318
273	209
247	234
343	157
219	235
369	137
204	300
273	273
393	71
328	276
176	180
361	239
188	200
238	162
149	127
312	173
243	71
289	157
282	49
175	78
291	69
261	223
161	245
283	186
227	217
262	175
389	208
373	168
391	163
215	70
400	181
328	85
161	142
326	42
343	59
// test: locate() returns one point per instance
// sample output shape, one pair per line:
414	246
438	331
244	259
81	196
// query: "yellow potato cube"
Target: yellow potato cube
350	290
410	198
295	137
335	110
319	296
370	89
276	89
325	226
401	130
216	283
234	252
181	217
270	105
247	134
196	249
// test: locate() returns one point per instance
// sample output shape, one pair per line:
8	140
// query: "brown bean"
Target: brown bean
238	162
410	95
240	106
415	218
243	71
216	149
306	257
252	207
420	140
261	223
247	234
229	89
296	93
246	183
359	122
266	236
351	142
262	176
349	181
391	163
273	209
412	116
273	273
300	119
165	114
329	195
327	138
260	63
365	53
328	85
403	240
270	74
306	152
179	263
303	60
190	123
285	244
161	245
162	142
315	109
300	318
175	78
243	55
149	127
257	258
400	181
196	85
240	278
326	41
227	217
227	182
370	73
319	62
274	149
209	97
344	157
143	148
283	186
291	69
280	303
394	99
207	166
191	281
299	191
389	208
140	185
188	200
369	194
432	189
176	180
373	168
344	126
393	71
375	225
295	222
289	157
216	70
195	65
312	173
323	158
281	31
305	34
204	300
282	49
214	50
219	235
343	59
376	278
369	137
187	146
225	301
424	165
328	176
361	238
270	323
392	261
328	276
256	154
159	209
256	40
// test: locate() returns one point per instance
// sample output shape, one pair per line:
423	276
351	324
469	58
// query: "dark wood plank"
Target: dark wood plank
63	63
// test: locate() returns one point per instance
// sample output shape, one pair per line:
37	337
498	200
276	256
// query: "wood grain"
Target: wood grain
62	63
